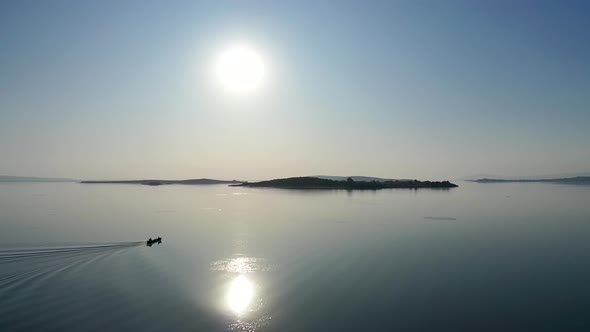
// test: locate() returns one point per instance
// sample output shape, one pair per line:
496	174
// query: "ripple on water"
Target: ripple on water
249	326
242	265
35	285
440	218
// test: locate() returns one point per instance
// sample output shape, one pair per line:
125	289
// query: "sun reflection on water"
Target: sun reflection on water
243	293
241	265
240	294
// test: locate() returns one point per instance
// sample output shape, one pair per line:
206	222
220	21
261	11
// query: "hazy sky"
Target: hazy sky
420	89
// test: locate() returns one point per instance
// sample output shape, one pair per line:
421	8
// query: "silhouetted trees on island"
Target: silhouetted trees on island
317	183
299	183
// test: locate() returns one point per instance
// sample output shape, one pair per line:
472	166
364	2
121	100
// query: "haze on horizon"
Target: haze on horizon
430	90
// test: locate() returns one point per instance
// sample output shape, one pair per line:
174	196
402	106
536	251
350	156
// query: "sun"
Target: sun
240	69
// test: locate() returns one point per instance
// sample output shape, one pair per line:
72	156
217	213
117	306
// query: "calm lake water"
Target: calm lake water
481	257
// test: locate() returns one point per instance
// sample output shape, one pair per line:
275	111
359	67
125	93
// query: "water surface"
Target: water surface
481	257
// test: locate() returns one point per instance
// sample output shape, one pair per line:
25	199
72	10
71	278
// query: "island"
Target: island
165	182
573	180
348	184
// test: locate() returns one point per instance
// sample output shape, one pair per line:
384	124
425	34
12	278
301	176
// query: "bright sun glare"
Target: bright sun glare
240	69
240	294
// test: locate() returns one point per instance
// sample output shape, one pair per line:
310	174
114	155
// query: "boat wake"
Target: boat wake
19	266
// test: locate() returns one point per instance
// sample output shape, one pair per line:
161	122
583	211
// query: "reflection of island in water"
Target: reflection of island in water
349	184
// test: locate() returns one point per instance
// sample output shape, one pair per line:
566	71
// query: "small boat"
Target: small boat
150	241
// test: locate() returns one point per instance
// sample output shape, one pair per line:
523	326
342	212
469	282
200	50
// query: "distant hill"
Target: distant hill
5	178
574	180
164	182
318	183
525	177
355	178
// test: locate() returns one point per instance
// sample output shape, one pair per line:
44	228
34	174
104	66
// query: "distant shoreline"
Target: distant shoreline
24	179
574	180
312	183
165	182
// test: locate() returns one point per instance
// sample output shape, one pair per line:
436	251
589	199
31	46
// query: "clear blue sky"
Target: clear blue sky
420	89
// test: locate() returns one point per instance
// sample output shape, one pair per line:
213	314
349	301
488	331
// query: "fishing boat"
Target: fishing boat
150	241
